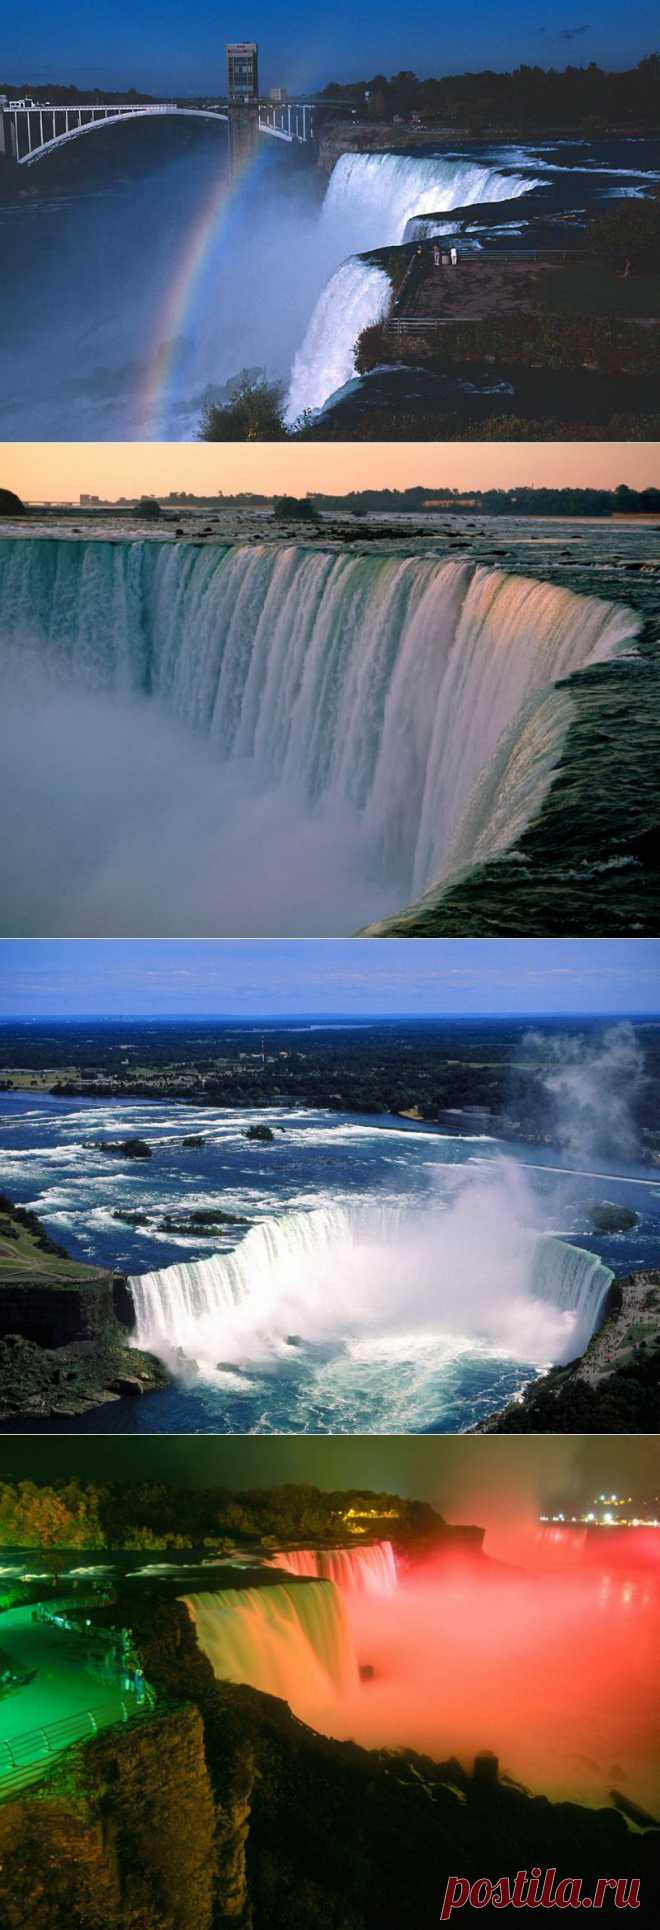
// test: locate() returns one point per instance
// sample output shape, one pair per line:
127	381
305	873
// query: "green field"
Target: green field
22	1256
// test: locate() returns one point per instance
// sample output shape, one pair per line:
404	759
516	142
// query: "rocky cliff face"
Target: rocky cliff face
121	1837
613	1388
230	1814
63	1328
39	1382
81	1305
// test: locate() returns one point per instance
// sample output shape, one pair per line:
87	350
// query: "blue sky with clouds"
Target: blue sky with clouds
160	47
352	977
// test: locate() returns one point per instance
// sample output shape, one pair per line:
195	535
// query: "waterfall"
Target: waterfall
371	197
242	1291
413	697
290	1641
345	1291
369	1570
573	1280
372	201
423	227
357	295
557	1542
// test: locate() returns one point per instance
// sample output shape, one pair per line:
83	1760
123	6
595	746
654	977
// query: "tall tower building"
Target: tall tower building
243	71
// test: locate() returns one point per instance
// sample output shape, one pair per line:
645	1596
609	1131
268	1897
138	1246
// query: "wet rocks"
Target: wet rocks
607	1218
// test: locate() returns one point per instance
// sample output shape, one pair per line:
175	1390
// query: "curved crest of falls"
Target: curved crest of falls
372	201
290	1641
345	1297
373	196
411	699
369	1570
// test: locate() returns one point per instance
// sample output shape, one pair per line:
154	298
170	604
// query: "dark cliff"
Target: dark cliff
227	1813
613	1387
64	1328
120	1837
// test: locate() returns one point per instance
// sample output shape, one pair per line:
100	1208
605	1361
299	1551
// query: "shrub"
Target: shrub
628	232
295	509
11	505
253	412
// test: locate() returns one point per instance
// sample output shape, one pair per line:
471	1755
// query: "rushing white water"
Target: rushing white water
407	705
369	1570
291	1641
372	201
573	1280
345	1292
358	294
373	196
423	226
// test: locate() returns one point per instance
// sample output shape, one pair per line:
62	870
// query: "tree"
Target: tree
11	505
295	509
253	412
629	232
148	507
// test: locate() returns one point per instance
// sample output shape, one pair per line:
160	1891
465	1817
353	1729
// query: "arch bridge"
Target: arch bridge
31	129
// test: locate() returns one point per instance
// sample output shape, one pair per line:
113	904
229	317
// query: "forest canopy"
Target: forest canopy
586	97
75	1514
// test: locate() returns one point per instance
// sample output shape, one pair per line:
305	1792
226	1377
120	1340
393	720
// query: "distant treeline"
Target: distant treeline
91	1514
70	96
584	97
579	97
491	502
425	1067
523	501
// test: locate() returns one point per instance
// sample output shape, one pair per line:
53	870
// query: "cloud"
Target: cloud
566	33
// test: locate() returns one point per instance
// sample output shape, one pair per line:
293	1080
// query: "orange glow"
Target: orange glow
41	471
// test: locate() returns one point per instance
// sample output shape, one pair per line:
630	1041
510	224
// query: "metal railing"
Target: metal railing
422	325
24	1757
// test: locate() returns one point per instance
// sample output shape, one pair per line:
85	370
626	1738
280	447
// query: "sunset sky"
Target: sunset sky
42	471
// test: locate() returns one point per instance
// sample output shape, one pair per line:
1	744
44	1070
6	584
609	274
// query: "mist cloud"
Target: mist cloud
118	822
593	1088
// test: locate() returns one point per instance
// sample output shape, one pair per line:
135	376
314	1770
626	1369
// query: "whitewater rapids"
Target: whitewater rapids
388	720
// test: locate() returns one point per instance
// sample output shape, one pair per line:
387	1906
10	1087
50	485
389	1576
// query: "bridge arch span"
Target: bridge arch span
29	130
101	119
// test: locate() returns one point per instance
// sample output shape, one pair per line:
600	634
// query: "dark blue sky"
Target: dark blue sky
160	46
356	977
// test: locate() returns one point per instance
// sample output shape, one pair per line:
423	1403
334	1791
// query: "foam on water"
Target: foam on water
339	1296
